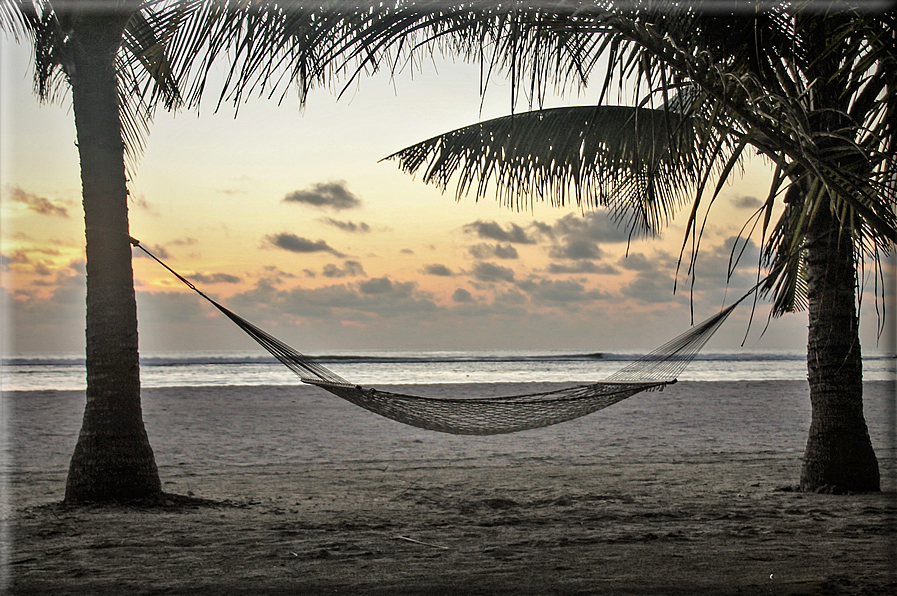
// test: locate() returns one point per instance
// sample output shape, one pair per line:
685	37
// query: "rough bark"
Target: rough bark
839	455
113	459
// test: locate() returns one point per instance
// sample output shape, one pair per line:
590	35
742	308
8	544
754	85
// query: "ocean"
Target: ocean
372	368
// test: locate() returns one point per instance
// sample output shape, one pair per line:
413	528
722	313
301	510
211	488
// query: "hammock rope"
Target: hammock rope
489	415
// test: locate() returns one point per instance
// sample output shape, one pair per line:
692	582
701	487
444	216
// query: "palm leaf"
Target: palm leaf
639	162
17	18
783	255
145	74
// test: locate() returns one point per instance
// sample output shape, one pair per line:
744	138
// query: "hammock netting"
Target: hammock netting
490	415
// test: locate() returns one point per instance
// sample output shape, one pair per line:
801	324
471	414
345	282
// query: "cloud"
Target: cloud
156	309
747	202
156	249
325	195
347	226
79	266
185	241
35	203
462	296
594	225
437	269
490	272
51	324
141	203
583	266
294	243
21	257
361	301
543	229
546	290
485	251
493	231
637	262
215	278
578	237
652	287
714	262
576	249
384	285
274	275
349	269
25	262
654	279
42	269
654	272
511	297
160	251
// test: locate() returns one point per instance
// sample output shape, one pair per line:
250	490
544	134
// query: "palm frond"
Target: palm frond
639	162
50	53
783	256
271	46
135	117
146	54
145	75
17	18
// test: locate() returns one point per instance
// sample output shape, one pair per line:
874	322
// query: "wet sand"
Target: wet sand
309	495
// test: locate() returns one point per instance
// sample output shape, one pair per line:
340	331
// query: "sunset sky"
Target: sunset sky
289	218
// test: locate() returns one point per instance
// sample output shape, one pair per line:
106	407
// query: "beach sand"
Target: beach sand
681	492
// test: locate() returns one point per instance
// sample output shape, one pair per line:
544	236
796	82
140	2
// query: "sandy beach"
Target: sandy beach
681	492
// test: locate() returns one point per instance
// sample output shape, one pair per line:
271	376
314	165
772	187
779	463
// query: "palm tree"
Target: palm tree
120	59
99	54
809	85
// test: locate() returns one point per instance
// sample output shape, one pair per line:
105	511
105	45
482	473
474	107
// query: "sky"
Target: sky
289	217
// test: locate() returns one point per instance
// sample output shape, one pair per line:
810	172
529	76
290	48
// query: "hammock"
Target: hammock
490	415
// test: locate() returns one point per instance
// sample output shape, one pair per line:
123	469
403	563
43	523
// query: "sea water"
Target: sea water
198	369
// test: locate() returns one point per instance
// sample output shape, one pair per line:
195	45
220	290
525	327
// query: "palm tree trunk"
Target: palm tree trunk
113	459
839	455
